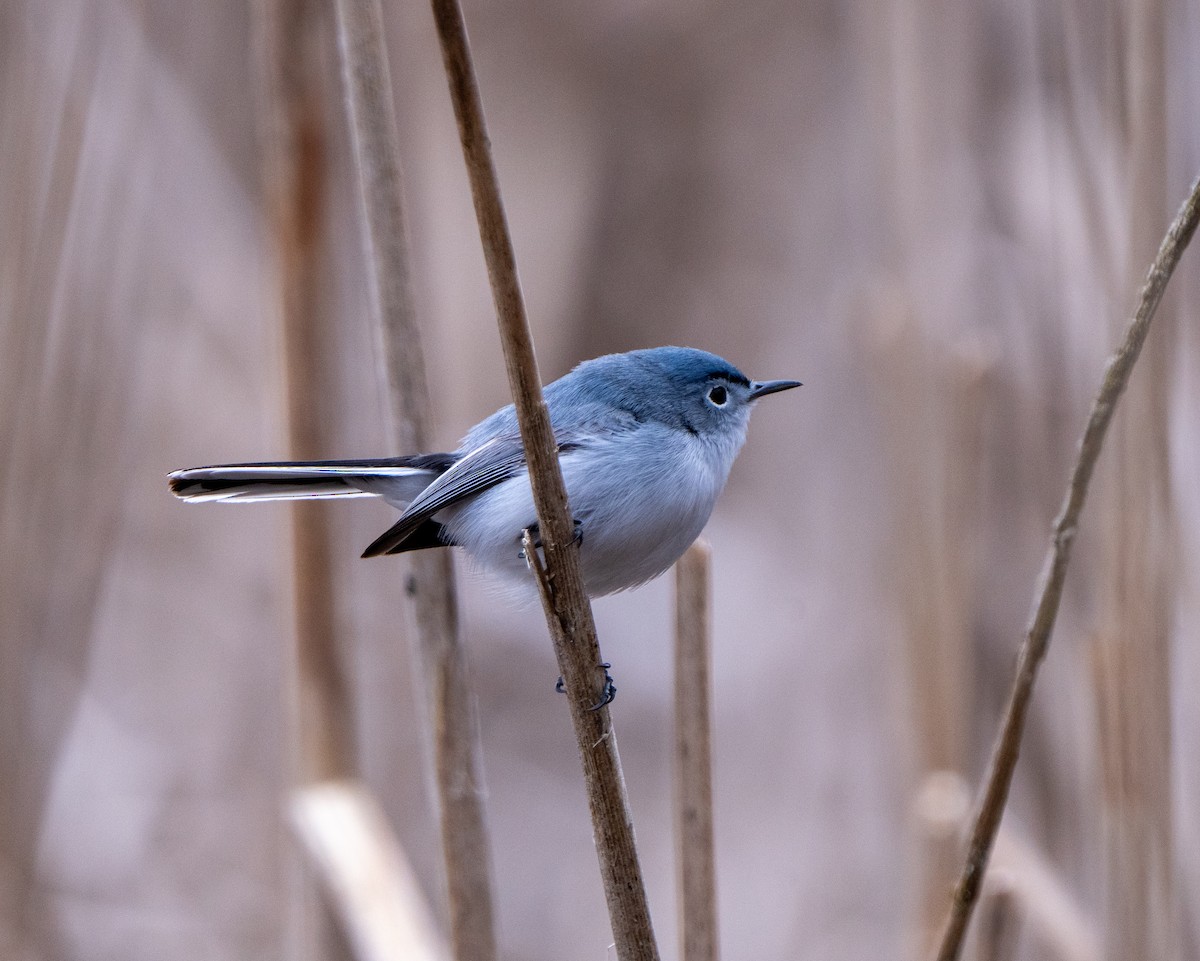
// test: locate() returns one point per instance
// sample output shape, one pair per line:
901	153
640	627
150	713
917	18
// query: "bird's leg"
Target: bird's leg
606	695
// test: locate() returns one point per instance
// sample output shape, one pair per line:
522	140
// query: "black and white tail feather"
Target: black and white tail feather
397	480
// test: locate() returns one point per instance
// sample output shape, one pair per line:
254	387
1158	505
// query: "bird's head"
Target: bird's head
681	387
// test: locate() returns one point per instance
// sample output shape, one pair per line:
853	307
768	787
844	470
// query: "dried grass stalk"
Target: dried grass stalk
693	755
294	174
1140	566
457	752
1054	570
294	160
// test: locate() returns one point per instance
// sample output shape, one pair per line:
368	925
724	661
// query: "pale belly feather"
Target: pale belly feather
641	500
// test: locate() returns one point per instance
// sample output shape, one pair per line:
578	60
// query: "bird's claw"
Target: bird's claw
576	538
607	694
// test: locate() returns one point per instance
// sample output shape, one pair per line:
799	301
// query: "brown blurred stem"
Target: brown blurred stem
1000	923
465	846
568	611
294	166
693	756
294	141
1054	570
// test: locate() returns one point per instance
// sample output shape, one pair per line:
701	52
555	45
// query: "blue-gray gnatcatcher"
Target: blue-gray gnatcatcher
646	440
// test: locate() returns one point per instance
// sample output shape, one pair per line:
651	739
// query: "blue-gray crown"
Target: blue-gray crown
690	365
683	365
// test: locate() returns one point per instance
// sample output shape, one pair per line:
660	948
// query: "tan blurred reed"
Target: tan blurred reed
694	829
294	148
466	851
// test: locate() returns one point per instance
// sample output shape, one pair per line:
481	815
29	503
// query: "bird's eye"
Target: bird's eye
718	395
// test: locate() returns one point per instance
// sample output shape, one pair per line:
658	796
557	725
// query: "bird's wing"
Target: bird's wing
495	460
492	462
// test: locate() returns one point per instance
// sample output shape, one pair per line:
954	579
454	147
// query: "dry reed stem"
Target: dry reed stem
937	394
1132	639
1054	569
457	753
560	582
693	755
365	873
294	173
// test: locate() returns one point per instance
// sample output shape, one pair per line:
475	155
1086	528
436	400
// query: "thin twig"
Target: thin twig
465	847
568	612
1054	570
693	756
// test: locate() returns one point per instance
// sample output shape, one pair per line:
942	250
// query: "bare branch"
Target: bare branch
568	612
1054	570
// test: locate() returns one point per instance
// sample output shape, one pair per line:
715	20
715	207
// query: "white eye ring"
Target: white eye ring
718	396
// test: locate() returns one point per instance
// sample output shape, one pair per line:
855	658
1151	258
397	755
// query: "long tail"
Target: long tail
396	479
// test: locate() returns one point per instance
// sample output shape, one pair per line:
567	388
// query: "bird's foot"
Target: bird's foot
606	695
537	537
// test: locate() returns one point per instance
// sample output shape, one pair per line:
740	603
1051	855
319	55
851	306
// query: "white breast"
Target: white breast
642	497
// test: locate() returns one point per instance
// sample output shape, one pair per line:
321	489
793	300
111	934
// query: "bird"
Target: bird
646	440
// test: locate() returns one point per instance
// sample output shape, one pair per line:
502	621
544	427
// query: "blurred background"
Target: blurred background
935	214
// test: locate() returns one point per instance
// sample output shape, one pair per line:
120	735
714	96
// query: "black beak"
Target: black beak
762	388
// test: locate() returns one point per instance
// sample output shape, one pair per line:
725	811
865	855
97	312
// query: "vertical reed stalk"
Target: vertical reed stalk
465	848
693	755
935	401
1133	640
294	155
560	583
294	161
